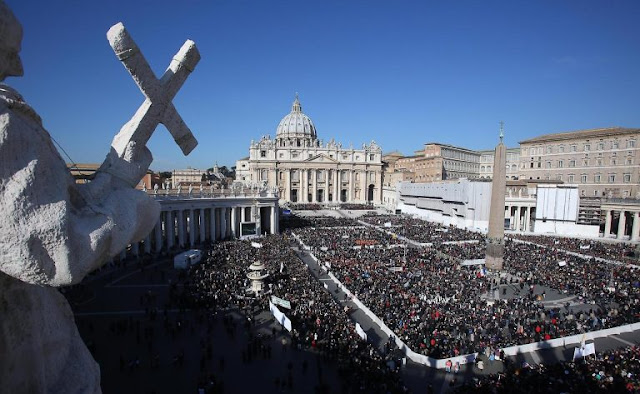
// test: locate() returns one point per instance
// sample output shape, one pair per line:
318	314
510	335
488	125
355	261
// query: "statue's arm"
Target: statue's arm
53	231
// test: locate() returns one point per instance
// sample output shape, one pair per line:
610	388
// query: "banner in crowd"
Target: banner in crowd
256	244
585	247
562	263
280	317
584	350
361	332
387	224
279	301
366	242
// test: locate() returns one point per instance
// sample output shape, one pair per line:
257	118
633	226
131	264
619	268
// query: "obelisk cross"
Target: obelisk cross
157	107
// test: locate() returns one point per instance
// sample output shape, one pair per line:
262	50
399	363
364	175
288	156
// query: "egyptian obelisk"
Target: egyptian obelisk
495	238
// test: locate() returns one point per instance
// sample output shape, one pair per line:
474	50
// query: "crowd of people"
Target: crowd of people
441	309
612	371
422	231
617	251
318	321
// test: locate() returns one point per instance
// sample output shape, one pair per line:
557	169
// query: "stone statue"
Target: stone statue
190	189
179	189
155	188
55	231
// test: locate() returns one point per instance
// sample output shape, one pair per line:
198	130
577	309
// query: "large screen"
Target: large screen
248	228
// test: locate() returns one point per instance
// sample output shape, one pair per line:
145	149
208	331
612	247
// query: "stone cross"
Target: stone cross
157	107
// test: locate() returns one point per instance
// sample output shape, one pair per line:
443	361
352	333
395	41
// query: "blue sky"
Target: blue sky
401	73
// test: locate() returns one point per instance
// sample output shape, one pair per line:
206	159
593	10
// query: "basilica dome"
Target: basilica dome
296	124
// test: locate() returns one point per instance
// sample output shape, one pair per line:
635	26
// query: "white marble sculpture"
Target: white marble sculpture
54	231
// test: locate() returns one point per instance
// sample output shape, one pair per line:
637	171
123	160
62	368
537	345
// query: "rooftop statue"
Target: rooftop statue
55	231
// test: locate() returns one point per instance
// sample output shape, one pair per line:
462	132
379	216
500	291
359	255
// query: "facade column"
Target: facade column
507	213
192	228
327	172
622	224
287	189
212	224
350	188
304	185
158	231
336	180
517	218
314	181
147	244
527	218
181	229
378	196
243	216
607	222
203	225
635	228
363	186
169	226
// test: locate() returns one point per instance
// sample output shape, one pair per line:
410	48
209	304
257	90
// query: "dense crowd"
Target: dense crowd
295	221
420	230
613	371
439	308
318	321
617	251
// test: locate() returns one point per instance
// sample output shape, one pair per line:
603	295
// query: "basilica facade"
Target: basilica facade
306	170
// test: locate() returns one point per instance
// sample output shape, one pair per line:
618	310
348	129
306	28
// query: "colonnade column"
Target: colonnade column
223	223
212	224
287	189
258	217
350	197
158	233
233	223
607	222
304	185
192	228
203	226
169	226
622	222
181	229
517	228
635	228
272	229
135	249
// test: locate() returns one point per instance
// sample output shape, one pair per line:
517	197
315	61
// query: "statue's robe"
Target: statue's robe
53	232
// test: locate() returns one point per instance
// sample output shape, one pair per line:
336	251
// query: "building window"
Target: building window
547	164
612	178
600	145
626	178
585	163
263	153
599	161
614	145
294	155
560	163
583	178
631	144
596	178
574	148
281	155
571	178
614	162
625	194
559	177
561	149
595	193
629	161
572	163
587	147
548	149
372	157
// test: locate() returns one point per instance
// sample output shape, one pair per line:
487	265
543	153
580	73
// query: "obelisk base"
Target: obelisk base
495	254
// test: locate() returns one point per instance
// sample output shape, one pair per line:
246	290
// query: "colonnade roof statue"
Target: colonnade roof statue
54	231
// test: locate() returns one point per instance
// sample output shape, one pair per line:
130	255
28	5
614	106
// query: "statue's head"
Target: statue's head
10	43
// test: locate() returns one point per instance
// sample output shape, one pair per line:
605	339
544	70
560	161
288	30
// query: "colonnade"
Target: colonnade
190	222
628	223
520	216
